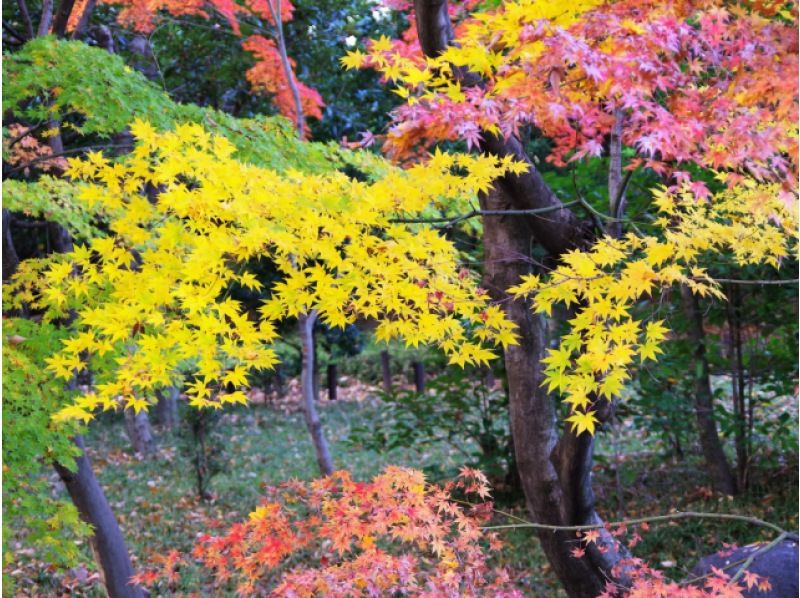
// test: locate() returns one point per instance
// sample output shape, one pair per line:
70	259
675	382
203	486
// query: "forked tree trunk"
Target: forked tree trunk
306	326
555	476
716	462
107	541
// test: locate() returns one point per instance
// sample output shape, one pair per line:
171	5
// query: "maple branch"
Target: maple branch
761	550
453	220
19	37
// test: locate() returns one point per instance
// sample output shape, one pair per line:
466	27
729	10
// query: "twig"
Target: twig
766	548
452	220
753	282
654	518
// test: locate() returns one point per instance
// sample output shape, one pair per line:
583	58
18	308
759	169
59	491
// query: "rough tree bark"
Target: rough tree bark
716	462
555	472
306	327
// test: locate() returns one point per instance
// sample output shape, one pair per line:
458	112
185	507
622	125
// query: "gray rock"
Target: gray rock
779	565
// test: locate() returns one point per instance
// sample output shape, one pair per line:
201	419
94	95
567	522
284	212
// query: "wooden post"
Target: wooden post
332	381
419	376
386	371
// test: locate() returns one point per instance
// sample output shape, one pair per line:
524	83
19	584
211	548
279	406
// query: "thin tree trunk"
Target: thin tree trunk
616	189
107	541
280	387
533	414
26	18
716	462
386	372
46	18
137	427
306	326
201	469
167	407
733	307
315	362
300	121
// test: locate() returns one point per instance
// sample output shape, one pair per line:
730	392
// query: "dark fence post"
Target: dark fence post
332	381
419	376
386	371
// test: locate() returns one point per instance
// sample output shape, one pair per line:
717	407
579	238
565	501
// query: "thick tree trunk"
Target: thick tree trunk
137	427
306	325
556	475
167	407
107	541
386	372
716	462
551	499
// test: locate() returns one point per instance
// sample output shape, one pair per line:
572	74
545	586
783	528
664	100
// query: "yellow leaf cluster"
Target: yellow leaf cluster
752	223
486	45
154	295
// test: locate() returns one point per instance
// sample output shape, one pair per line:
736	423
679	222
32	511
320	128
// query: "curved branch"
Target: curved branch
528	191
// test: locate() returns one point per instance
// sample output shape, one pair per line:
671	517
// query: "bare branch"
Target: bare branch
26	18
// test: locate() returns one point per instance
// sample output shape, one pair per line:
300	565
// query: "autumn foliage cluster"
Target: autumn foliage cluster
395	534
267	75
695	100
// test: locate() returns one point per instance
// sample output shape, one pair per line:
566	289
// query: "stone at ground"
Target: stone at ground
778	565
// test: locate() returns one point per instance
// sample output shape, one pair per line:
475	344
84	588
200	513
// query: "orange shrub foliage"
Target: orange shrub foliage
338	537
